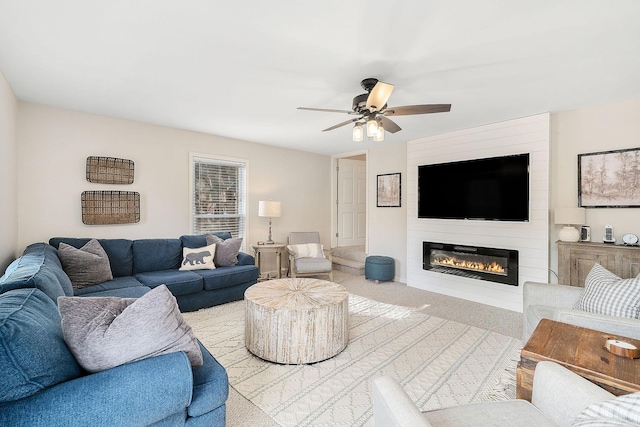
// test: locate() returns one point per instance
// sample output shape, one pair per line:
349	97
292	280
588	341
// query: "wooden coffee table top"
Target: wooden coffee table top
583	351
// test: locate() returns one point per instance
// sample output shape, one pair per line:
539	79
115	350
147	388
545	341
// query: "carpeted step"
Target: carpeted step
348	266
353	253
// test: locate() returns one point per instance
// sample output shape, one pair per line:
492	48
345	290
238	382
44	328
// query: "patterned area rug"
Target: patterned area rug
440	363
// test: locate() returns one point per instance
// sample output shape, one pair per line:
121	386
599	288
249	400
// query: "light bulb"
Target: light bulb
372	127
379	136
358	132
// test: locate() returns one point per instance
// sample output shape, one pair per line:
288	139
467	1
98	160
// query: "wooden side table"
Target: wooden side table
277	248
580	350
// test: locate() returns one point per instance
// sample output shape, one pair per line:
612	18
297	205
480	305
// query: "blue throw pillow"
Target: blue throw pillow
33	354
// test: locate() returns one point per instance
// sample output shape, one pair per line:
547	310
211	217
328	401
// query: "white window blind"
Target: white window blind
219	196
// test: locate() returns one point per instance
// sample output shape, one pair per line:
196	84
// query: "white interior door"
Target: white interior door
352	206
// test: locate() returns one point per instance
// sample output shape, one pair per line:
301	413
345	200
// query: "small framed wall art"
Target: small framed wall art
609	179
389	190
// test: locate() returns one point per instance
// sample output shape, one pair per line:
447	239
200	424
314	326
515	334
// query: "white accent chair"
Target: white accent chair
555	302
559	395
308	266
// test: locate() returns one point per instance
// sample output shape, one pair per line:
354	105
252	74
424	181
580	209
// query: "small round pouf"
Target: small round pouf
296	321
379	268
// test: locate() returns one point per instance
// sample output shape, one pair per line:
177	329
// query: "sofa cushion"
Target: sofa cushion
620	411
132	292
226	250
198	258
606	293
119	251
33	354
86	266
113	284
224	277
156	255
200	240
104	333
178	282
37	270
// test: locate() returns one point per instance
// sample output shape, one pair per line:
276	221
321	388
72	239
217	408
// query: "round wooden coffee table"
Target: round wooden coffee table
296	321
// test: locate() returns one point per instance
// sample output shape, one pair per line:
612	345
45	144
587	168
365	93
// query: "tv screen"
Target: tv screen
495	188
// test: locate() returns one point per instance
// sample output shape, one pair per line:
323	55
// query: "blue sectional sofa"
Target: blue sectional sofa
43	385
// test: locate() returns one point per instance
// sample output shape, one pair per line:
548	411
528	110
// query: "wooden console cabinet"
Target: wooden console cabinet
575	260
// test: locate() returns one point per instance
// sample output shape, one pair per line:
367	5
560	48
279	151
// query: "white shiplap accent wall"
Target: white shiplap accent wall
525	135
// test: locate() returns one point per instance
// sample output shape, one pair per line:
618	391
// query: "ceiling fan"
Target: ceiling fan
371	109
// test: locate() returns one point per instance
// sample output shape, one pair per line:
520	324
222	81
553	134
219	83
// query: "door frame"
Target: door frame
334	195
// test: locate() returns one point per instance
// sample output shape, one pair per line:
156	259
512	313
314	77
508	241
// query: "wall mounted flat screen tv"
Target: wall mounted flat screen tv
492	189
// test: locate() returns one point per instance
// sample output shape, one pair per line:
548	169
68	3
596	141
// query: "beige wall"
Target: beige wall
387	234
602	128
8	175
54	144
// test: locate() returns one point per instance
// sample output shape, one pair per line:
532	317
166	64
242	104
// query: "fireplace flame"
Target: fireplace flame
492	267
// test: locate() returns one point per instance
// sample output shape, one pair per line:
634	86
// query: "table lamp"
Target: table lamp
269	209
569	217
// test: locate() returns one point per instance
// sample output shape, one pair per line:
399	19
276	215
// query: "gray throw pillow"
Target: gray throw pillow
86	266
226	250
106	332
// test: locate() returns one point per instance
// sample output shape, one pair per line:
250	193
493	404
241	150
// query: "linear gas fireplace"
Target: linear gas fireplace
492	264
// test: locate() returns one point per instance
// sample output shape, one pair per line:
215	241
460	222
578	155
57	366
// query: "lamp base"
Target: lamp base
569	234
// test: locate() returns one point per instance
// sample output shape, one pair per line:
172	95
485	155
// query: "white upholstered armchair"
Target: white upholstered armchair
307	256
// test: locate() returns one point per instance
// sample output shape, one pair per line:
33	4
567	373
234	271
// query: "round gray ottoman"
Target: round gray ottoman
377	267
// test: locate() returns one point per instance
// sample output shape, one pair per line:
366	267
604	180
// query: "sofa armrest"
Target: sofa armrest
138	393
623	326
245	259
392	406
550	295
552	384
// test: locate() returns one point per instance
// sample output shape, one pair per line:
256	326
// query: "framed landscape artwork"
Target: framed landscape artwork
609	179
389	190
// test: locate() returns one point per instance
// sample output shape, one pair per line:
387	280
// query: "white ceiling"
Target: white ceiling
240	68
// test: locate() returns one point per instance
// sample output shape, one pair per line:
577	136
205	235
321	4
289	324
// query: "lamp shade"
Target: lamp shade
570	216
269	208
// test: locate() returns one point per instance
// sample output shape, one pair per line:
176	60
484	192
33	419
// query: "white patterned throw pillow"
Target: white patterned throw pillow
620	411
198	258
307	250
606	293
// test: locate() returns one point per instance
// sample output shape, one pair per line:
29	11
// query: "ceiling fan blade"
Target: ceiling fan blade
389	125
342	124
379	96
326	110
417	109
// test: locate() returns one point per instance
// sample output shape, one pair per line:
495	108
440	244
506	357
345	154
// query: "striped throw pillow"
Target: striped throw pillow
606	293
620	411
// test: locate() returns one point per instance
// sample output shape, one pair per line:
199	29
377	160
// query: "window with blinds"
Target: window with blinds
219	195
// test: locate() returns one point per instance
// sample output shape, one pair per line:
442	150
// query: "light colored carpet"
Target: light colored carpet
439	362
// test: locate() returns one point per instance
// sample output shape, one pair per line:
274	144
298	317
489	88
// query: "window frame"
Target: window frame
243	189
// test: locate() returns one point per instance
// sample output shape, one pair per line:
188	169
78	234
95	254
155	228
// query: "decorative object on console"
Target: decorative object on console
608	234
269	209
389	192
110	207
605	179
109	170
585	233
569	217
630	239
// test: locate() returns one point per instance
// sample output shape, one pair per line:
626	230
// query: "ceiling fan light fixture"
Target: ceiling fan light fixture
358	132
379	136
372	127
